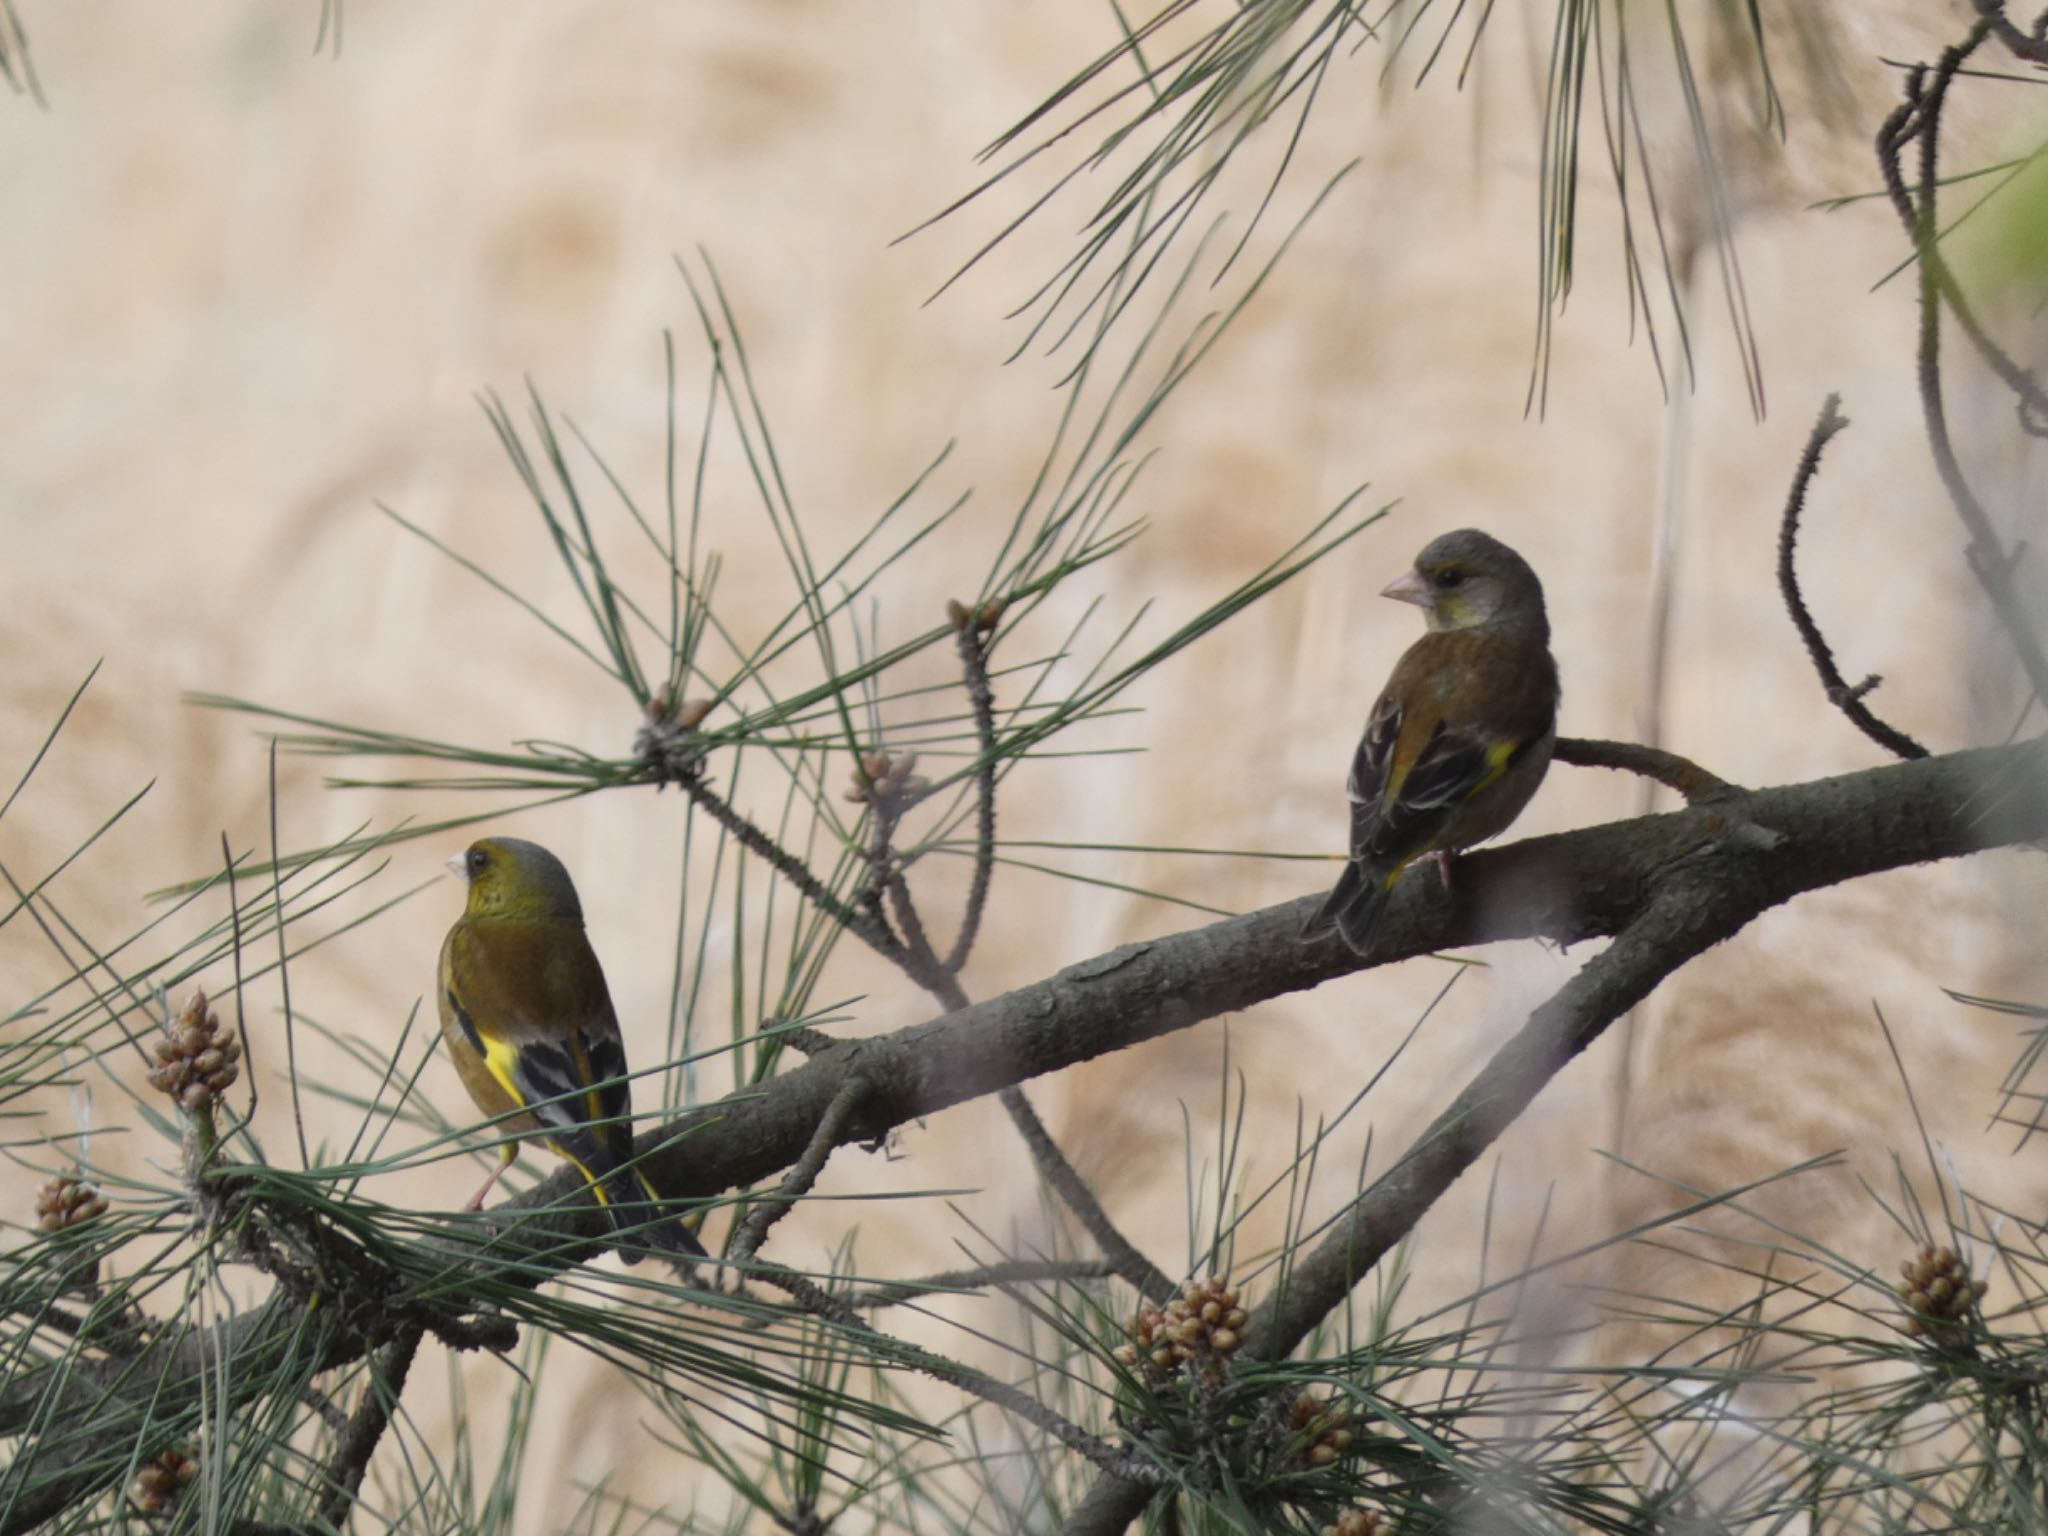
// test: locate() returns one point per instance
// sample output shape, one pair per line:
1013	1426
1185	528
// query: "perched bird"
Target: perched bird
529	1025
1463	732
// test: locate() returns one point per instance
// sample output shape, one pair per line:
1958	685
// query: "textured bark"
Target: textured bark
1669	886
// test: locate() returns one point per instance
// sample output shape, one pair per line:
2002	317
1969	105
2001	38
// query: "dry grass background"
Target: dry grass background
252	290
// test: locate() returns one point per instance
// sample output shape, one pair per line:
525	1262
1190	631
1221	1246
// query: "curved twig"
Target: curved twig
1840	694
955	1281
366	1426
1918	117
968	631
1677	773
784	863
769	1209
1121	1253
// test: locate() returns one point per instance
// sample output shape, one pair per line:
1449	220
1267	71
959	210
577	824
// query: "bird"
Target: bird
528	1022
1461	735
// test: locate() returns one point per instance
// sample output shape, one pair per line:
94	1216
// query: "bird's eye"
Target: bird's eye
1450	576
478	861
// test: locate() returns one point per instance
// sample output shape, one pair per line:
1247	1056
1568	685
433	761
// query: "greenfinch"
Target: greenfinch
529	1025
1463	732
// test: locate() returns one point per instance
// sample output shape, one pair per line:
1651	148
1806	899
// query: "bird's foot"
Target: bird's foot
476	1201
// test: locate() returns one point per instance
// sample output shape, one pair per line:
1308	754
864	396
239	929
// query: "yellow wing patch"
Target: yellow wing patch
502	1057
1499	757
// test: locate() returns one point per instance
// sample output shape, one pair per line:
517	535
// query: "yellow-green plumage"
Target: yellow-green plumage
528	1022
1461	735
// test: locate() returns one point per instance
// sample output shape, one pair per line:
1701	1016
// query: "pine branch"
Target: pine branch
1733	858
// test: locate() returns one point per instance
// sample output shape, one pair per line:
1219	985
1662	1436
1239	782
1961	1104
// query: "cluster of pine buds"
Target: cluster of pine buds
1204	1323
1325	1423
1937	1289
887	780
158	1484
983	618
1358	1522
67	1202
196	1060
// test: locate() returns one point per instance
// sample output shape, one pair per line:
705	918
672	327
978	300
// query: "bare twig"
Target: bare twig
1073	1190
1845	698
881	836
969	628
923	966
366	1427
1918	118
753	1230
784	863
1123	1464
2031	46
1688	778
1009	1272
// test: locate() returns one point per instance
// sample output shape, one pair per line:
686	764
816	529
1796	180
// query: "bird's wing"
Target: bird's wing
1439	735
531	999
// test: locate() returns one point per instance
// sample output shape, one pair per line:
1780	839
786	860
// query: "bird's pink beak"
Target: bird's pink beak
459	862
1411	587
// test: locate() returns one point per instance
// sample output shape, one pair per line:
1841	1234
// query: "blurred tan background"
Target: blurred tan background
252	291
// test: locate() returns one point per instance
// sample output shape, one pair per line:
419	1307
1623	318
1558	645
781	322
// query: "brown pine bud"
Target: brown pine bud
66	1202
158	1483
197	1060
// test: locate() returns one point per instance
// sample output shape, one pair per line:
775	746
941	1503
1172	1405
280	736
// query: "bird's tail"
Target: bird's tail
629	1199
1353	907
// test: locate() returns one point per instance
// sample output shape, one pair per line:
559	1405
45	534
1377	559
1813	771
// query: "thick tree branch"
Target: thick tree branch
1764	848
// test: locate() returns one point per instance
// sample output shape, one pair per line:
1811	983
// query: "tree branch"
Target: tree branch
366	1427
1845	698
1918	118
1123	1256
968	629
1005	1273
785	863
1595	882
753	1230
1686	777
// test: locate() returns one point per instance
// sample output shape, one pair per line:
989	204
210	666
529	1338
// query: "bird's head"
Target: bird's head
512	878
1467	579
